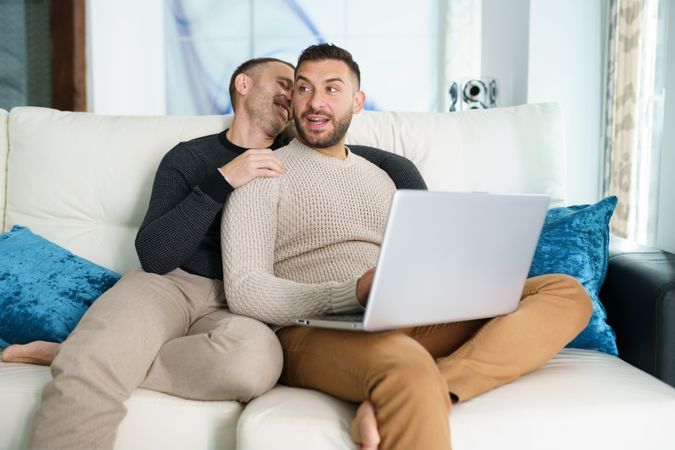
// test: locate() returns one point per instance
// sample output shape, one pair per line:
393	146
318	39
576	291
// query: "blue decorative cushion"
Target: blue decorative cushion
44	289
575	241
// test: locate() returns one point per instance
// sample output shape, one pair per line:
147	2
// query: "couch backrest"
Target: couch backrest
84	180
4	150
516	150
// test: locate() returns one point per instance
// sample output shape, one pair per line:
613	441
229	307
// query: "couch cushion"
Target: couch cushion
290	418
580	399
153	421
516	150
83	181
44	289
4	149
575	241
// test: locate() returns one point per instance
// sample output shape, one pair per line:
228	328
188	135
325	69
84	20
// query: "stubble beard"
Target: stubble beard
341	125
263	110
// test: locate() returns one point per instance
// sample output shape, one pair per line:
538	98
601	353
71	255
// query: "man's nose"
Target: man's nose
287	93
316	100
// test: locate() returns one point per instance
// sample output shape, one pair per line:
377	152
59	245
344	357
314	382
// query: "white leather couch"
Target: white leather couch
83	181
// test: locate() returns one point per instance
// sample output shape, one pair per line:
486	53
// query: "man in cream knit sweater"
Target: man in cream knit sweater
166	326
308	248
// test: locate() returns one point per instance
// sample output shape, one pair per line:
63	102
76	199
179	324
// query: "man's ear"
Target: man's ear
242	83
359	101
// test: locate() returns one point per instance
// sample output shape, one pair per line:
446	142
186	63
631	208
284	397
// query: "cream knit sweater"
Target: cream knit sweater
298	243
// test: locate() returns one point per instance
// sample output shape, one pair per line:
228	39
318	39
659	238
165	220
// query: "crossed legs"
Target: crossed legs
409	375
405	375
116	345
236	358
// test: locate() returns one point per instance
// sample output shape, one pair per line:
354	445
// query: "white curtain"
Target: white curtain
634	116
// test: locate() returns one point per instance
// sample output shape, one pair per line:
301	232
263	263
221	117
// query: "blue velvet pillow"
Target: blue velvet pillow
44	289
575	241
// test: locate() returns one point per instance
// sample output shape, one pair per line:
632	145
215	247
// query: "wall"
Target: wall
566	51
125	52
552	51
506	33
665	235
396	51
539	50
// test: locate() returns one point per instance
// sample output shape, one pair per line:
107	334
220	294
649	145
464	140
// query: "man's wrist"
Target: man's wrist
344	299
216	186
220	170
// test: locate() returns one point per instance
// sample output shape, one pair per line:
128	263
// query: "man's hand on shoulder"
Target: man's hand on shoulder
363	287
253	163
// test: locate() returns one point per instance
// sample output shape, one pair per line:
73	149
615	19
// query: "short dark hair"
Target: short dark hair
321	52
247	67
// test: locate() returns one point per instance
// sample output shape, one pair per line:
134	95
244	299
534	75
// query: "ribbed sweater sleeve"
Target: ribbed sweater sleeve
178	215
248	237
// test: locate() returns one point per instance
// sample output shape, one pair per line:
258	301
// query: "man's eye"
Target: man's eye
331	89
303	89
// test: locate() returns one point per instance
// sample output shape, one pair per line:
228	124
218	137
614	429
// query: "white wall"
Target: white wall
126	57
665	235
566	48
539	50
552	51
462	48
505	48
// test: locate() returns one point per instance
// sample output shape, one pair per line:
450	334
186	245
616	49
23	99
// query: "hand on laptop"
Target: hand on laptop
363	287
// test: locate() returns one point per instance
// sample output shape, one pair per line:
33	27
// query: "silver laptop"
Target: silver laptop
448	257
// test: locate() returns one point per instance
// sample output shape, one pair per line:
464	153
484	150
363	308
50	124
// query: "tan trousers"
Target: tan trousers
407	374
169	333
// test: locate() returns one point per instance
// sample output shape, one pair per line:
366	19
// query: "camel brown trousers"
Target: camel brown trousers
408	374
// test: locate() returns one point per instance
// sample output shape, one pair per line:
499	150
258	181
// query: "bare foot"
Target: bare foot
37	352
364	428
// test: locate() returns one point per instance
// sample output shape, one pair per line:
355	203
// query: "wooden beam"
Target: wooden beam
69	63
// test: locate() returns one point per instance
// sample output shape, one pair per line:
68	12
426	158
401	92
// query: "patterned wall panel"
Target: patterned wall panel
13	83
25	71
394	41
38	53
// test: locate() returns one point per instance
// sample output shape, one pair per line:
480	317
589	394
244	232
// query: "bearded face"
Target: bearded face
320	129
268	100
271	109
325	97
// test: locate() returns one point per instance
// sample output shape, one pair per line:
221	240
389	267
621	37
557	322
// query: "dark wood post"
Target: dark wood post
69	62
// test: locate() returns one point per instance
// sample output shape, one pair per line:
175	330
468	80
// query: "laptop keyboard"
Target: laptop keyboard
345	317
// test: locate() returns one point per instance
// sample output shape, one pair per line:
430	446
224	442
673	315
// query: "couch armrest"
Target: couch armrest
639	296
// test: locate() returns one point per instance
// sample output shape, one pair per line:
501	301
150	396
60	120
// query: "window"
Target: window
207	39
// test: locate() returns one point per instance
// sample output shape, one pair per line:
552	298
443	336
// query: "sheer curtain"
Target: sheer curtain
634	110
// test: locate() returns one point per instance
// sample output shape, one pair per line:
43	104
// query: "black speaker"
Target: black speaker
473	94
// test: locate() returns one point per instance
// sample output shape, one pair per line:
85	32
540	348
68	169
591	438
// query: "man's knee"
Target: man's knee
249	360
574	298
400	360
118	338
